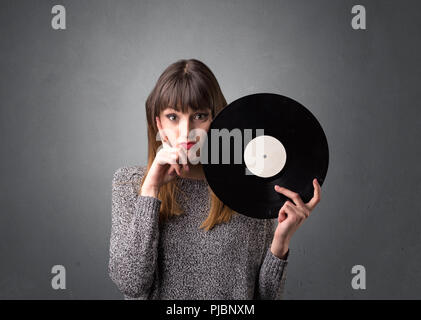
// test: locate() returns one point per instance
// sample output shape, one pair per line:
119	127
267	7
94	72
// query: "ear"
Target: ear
158	123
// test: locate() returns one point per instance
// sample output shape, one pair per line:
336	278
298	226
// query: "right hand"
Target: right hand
164	168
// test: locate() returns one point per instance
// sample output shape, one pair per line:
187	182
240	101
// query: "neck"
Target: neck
195	172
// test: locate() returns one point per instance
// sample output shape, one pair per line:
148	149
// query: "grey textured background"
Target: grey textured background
72	112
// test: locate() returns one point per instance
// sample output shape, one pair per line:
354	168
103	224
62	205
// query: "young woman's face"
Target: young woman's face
181	128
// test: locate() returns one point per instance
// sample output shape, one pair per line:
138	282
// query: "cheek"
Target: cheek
204	128
169	128
206	125
205	131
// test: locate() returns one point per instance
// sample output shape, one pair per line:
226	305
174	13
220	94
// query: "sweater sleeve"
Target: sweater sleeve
134	237
272	273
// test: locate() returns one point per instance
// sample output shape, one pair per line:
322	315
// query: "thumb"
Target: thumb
282	214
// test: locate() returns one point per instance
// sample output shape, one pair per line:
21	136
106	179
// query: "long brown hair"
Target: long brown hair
184	84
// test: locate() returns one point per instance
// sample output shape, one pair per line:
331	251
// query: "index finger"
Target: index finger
166	144
290	194
316	195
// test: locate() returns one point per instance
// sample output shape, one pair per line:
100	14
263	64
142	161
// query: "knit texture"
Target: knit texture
176	259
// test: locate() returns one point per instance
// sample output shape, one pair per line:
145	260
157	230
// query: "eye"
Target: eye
170	116
201	116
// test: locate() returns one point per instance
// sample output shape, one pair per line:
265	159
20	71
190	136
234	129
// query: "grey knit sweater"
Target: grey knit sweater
177	260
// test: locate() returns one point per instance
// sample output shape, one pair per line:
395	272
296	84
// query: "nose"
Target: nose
184	129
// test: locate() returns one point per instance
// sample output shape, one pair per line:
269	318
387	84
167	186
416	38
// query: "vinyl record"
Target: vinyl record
257	142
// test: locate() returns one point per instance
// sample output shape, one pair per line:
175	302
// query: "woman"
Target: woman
171	237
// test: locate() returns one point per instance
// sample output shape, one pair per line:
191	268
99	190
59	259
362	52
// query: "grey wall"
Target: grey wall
72	112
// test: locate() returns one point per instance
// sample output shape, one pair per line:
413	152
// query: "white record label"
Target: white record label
265	156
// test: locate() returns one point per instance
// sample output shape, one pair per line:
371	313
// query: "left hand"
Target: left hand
291	216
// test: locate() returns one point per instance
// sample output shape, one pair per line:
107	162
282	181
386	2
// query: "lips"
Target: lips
187	145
